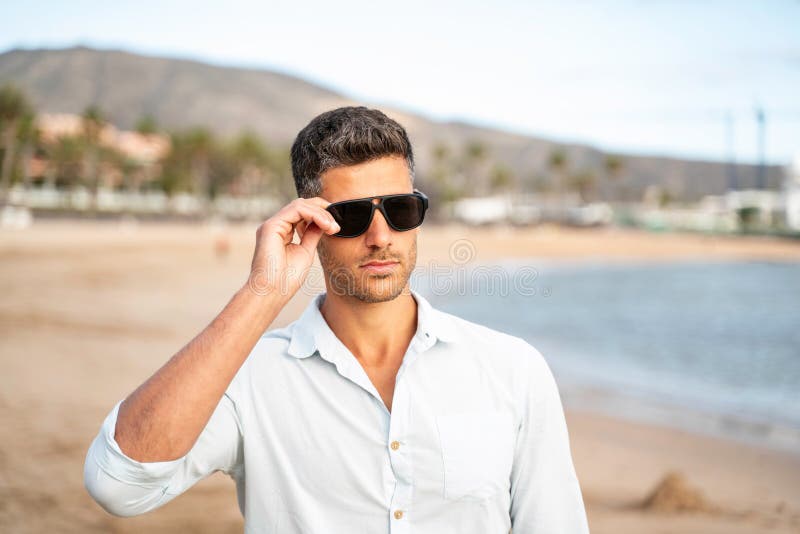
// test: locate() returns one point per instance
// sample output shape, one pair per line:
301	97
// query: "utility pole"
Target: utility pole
733	179
761	119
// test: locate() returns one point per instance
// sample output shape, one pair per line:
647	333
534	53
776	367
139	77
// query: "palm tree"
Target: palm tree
501	178
175	166
442	173
250	159
441	152
475	154
583	182
14	107
199	144
64	160
613	168
476	151
29	137
558	164
279	163
93	121
147	125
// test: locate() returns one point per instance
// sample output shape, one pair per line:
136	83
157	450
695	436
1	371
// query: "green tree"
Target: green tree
558	163
442	173
147	125
14	106
665	198
175	166
65	157
475	155
582	182
248	147
250	159
30	138
476	151
92	122
501	178
279	164
200	143
132	172
441	152
613	166
187	166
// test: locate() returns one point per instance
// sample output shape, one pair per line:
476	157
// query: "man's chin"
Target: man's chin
379	288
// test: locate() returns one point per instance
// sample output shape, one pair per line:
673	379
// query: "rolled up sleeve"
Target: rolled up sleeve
126	487
545	493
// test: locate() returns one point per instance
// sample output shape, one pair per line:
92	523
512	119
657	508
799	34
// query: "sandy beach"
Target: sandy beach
91	309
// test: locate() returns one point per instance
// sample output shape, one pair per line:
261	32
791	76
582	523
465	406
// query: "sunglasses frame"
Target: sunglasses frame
379	206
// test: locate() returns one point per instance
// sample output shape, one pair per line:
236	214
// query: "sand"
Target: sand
89	310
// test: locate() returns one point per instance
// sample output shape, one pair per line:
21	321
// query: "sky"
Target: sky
665	77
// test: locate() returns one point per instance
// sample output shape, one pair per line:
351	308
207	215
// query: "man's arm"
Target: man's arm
177	427
126	487
162	419
545	493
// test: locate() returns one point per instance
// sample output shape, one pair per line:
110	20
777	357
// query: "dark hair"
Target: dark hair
345	136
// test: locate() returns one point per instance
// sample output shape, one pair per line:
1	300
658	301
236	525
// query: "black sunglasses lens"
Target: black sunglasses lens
352	217
405	212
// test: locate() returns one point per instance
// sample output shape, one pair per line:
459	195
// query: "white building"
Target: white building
485	210
791	191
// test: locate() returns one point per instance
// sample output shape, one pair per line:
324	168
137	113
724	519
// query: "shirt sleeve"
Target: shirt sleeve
545	493
126	487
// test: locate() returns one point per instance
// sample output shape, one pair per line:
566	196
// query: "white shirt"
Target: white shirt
476	441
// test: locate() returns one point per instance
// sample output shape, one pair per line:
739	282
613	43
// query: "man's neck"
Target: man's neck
377	333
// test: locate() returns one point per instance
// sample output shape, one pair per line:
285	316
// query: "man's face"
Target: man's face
344	259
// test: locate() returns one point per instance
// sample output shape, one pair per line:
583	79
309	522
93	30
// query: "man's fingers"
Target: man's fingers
319	201
304	209
322	218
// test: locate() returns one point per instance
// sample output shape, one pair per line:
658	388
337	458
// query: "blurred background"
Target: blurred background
617	182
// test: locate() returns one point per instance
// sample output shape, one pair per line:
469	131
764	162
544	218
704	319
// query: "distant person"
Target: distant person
373	412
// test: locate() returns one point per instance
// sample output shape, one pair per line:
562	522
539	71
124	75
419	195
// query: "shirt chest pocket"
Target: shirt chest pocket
477	454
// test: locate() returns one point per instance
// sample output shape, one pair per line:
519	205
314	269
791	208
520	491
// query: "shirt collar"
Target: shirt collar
311	332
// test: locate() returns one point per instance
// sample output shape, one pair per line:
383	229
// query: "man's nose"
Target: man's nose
379	233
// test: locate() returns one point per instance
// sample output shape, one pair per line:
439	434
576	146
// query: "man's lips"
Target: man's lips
379	263
380	267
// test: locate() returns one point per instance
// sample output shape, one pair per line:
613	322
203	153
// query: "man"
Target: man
373	412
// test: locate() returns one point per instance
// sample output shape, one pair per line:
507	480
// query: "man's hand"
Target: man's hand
279	264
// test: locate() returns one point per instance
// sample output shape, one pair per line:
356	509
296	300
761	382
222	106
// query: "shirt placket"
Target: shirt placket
401	512
399	457
396	461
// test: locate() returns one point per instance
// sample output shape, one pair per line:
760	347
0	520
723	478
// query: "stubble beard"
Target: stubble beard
369	288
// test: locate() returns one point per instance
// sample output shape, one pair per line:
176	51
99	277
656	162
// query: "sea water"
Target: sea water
707	346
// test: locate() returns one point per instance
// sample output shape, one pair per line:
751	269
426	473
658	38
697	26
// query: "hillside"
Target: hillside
181	93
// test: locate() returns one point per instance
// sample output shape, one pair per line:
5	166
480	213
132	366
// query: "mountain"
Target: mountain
181	93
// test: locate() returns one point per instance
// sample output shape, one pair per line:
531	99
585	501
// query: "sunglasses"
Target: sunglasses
402	212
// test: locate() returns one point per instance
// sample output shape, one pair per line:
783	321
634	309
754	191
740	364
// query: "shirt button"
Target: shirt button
398	514
395	445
